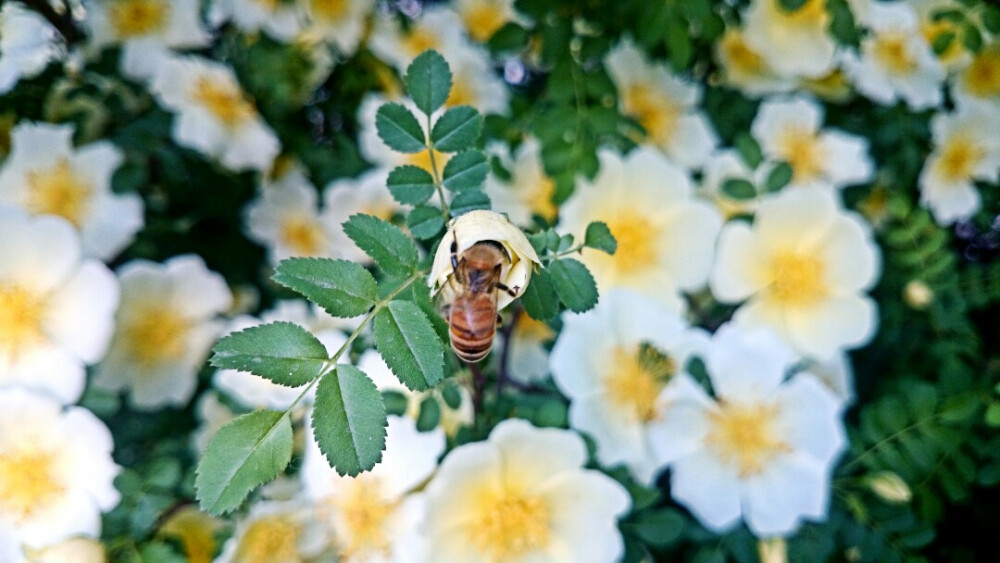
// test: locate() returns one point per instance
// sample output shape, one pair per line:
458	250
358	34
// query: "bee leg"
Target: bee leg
511	292
499	320
454	252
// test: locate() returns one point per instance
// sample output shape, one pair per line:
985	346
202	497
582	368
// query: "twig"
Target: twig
63	22
503	377
478	387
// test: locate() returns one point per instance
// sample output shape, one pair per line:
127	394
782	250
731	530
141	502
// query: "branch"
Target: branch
63	22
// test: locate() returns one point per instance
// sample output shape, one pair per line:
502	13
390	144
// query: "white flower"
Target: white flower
56	471
482	18
437	28
163	330
529	190
523	495
278	19
72	550
804	264
212	415
666	237
345	197
762	449
474	227
966	149
375	516
664	104
147	30
725	165
44	174
27	44
790	129
931	27
616	365
56	308
342	22
375	151
275	531
286	220
528	355
980	80
793	43
744	68
214	114
896	61
473	80
836	374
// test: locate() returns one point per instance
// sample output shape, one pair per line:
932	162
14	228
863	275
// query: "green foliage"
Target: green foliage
465	171
428	80
349	420
285	353
243	454
410	184
468	201
457	129
388	246
540	300
599	237
573	284
738	188
425	222
410	346
778	177
342	288
399	129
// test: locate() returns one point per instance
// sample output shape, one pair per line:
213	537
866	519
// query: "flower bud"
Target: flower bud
477	226
917	295
890	487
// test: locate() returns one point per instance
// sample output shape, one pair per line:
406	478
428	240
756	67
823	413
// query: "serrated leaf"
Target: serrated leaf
598	236
738	188
342	288
457	129
388	246
399	129
539	298
574	284
244	454
282	352
428	81
410	184
465	171
778	177
349	420
425	221
408	344
469	201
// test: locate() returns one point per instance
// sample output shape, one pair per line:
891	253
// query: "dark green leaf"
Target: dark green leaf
465	171
410	184
349	420
428	80
749	149
574	284
282	352
539	298
457	129
738	188
510	37
388	246
991	18
410	347
972	38
943	41
395	402
778	177
399	129
425	221
451	396
599	236
344	289
430	414
660	528
792	5
952	15
469	201
244	454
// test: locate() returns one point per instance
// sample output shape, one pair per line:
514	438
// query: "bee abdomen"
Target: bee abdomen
473	324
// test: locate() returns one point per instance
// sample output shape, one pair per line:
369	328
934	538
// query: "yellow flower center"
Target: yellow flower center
812	14
959	158
419	40
482	19
638	374
539	198
636	238
739	56
196	532
510	524
159	335
269	5
364	514
462	93
528	328
891	52
270	539
932	30
58	191
982	77
21	313
28	482
329	10
423	160
801	148
303	235
224	100
657	114
797	278
746	436
133	18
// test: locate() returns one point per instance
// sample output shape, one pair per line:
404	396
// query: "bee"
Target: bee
472	316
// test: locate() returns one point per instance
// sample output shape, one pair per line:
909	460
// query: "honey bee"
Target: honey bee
472	316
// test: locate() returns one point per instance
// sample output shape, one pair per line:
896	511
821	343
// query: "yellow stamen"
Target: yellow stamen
329	10
28	482
746	436
510	524
797	278
482	19
462	93
653	110
419	40
156	336
134	18
270	539
637	239
800	147
58	191
891	51
539	198
812	14
303	235
959	158
225	100
739	56
21	315
363	515
637	376
982	77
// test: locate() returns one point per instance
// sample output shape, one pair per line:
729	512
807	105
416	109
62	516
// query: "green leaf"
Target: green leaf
430	414
510	37
468	201
408	344
244	454
457	129
395	402
282	352
342	288
410	184
399	129
388	246
428	80
942	42
738	188
599	236
451	396
660	528
465	171
792	5
349	420
972	38
574	284
749	149
778	177
539	298
991	18
425	221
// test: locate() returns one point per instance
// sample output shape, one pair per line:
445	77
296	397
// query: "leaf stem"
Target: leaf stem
435	173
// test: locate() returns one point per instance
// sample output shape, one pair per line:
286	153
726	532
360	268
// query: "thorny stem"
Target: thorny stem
434	171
